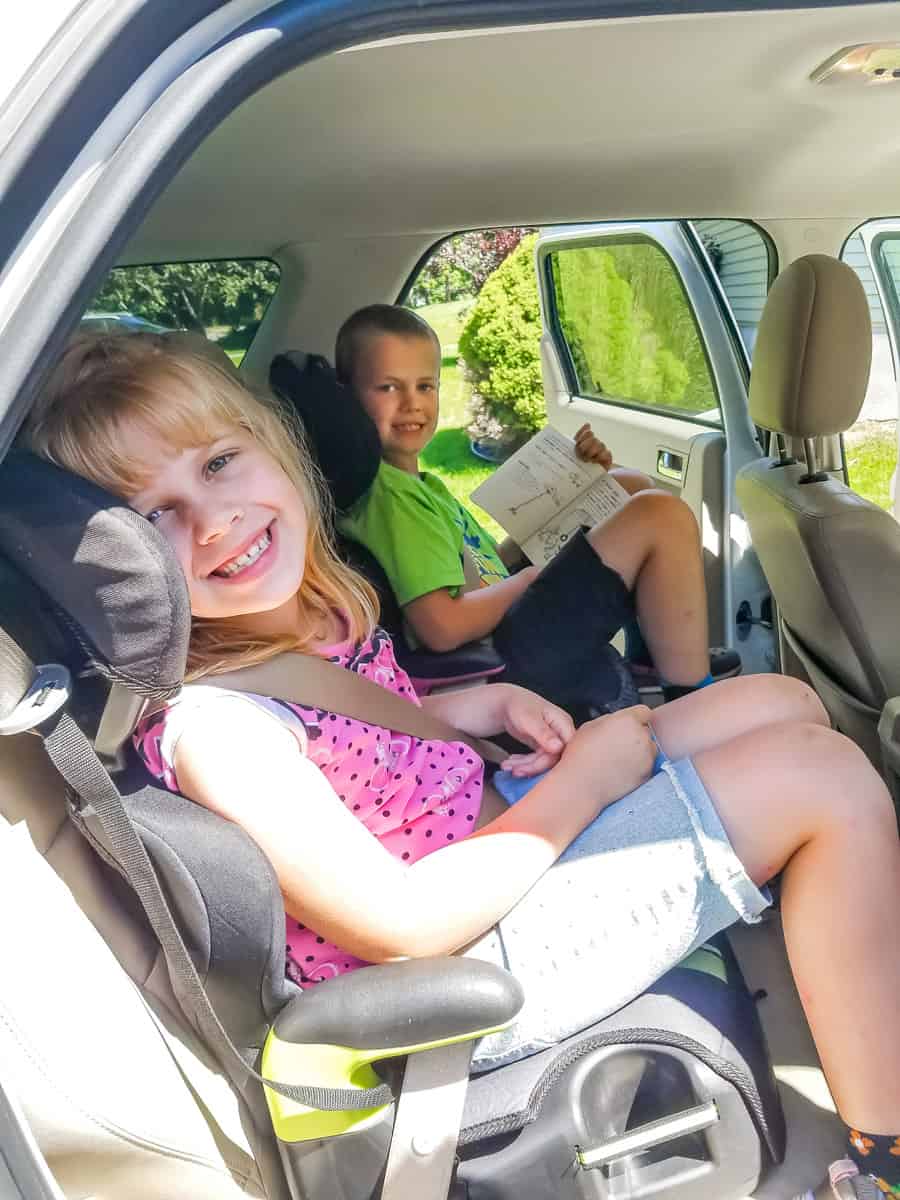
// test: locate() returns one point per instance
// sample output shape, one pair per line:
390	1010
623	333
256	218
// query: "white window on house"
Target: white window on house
744	260
870	447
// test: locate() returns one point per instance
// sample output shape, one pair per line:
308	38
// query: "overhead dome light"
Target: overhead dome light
869	63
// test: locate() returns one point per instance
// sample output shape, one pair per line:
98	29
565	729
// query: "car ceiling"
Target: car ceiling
687	115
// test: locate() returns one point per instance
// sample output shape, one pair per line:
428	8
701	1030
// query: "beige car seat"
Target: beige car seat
121	1097
831	558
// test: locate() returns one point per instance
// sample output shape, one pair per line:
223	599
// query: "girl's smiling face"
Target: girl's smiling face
234	519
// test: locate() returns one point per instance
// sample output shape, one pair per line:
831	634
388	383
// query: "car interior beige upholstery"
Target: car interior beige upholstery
831	557
123	1101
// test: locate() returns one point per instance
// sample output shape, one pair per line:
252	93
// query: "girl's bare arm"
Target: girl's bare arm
335	876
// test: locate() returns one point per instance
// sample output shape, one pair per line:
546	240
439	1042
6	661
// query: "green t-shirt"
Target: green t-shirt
419	533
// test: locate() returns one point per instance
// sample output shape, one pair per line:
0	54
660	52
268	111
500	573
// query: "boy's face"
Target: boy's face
396	380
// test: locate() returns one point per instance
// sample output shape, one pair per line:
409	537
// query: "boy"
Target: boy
552	627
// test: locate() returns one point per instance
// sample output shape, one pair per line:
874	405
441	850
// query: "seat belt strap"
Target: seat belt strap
74	758
316	683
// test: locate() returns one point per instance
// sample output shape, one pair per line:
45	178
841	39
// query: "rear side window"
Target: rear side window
224	299
629	329
870	446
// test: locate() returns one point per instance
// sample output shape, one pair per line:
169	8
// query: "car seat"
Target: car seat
672	1096
831	558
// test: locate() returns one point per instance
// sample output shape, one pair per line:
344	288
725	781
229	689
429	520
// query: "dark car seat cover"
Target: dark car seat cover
111	577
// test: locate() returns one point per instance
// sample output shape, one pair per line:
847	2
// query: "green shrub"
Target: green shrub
629	327
625	318
500	346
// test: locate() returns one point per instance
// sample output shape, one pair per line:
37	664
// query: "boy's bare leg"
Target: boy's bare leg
654	544
801	798
632	481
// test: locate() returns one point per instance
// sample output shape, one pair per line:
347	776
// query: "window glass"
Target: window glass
629	329
224	299
744	260
478	292
870	447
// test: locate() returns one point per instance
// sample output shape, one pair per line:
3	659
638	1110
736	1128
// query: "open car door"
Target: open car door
639	340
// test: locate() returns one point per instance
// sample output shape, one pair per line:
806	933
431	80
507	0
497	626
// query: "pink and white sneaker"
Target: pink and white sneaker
844	1182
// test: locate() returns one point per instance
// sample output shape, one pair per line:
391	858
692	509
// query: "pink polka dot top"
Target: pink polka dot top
413	795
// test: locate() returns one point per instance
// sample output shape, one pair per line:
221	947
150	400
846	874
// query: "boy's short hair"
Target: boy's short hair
376	319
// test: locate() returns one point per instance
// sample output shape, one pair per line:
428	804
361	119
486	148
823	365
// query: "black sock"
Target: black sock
877	1155
672	691
635	647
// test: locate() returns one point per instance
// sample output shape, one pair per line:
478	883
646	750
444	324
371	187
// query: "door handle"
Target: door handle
670	465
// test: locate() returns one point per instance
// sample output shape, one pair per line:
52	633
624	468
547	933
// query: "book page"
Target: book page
602	501
531	489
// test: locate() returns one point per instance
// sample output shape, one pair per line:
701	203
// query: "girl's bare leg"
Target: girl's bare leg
805	800
654	544
714	715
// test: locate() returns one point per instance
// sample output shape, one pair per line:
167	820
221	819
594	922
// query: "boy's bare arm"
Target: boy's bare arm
443	622
511	553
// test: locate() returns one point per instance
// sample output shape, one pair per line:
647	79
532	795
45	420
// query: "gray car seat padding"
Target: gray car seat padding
77	543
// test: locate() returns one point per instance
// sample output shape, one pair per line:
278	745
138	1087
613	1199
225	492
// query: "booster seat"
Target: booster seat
672	1096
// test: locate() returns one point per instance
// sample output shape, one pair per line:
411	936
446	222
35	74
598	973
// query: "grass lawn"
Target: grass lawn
448	454
447	320
871	448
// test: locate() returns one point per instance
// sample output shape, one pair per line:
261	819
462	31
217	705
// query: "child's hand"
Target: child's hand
589	448
538	723
617	752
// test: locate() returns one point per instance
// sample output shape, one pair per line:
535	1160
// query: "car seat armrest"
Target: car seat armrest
331	1034
474	660
399	1006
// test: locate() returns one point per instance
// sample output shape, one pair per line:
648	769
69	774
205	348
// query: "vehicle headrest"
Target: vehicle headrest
108	575
813	350
341	434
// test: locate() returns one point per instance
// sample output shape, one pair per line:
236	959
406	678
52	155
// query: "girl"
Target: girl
387	846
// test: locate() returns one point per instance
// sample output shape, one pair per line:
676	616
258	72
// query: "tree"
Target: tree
459	267
500	345
193	295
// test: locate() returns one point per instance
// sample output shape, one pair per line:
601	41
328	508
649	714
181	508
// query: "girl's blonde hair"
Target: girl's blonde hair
181	388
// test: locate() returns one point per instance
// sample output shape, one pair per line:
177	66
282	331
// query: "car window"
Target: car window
224	299
870	446
629	329
745	261
459	289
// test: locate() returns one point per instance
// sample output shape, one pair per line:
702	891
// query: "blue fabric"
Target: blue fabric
653	877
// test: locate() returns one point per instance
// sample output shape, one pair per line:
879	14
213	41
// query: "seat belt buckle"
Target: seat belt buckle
48	691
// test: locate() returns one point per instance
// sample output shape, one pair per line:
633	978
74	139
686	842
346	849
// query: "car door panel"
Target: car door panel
693	450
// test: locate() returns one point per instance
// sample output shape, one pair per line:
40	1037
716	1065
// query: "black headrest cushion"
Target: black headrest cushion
340	432
110	576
